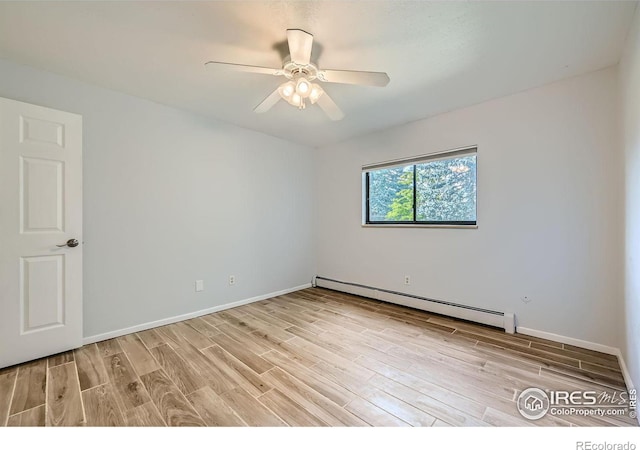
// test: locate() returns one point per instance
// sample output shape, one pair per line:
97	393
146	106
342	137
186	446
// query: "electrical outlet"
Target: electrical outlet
407	279
199	285
232	280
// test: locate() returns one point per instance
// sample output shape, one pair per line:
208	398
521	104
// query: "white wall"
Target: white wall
630	101
549	210
170	198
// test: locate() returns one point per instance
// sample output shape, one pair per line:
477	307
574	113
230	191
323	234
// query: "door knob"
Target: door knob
70	243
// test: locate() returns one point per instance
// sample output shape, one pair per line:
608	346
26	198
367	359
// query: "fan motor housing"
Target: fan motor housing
292	71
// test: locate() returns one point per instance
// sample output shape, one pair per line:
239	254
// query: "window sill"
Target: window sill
415	225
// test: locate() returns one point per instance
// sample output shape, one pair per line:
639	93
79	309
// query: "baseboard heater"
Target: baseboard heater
471	313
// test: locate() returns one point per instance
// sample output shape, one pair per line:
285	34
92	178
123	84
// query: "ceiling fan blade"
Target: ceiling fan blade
329	107
242	68
268	102
300	43
379	79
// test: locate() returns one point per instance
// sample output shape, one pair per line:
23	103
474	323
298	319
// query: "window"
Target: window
437	189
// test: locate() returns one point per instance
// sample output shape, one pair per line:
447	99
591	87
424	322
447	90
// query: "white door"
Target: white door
40	209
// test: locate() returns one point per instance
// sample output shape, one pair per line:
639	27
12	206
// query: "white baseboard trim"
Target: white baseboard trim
569	340
191	315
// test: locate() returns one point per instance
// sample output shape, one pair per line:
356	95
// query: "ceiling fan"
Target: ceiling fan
301	74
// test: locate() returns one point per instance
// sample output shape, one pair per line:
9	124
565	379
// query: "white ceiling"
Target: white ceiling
439	55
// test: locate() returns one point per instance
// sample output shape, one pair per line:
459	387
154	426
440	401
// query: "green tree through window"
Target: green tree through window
445	192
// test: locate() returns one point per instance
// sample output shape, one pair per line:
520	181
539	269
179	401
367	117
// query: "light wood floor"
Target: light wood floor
311	358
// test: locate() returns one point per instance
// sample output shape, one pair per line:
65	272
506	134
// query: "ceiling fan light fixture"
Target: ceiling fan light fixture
303	87
315	93
296	100
301	72
286	90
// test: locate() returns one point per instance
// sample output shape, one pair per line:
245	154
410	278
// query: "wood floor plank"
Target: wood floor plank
259	313
180	371
530	352
9	369
91	368
203	327
331	358
427	404
174	408
373	415
587	352
601	370
579	375
556	367
452	393
150	338
497	418
325	341
316	295
146	415
253	412
309	358
303	302
403	411
271	341
64	401
467	375
250	323
253	345
7	383
259	341
441	423
30	388
449	357
141	359
101	407
296	318
109	347
365	338
418	322
239	351
317	404
327	316
235	370
297	354
426	339
286	306
195	338
289	411
495	333
205	368
213	410
560	381
357	348
356	323
60	358
339	375
213	319
34	417
601	359
319	383
129	391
